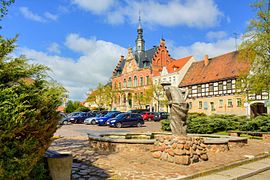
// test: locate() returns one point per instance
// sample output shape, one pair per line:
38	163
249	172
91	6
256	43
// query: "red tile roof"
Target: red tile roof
226	66
178	64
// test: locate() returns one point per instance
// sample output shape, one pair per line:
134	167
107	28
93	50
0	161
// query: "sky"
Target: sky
82	40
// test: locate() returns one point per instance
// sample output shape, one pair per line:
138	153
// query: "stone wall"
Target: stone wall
180	150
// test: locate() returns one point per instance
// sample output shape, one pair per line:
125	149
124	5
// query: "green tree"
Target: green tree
28	116
3	8
255	49
72	106
96	96
82	109
69	107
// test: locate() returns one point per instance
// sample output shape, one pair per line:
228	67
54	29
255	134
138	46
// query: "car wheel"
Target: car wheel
93	122
118	125
65	122
139	124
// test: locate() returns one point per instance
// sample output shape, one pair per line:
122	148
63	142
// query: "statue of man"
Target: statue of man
178	108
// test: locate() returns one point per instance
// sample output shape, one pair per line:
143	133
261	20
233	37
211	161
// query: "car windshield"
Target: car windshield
120	116
109	115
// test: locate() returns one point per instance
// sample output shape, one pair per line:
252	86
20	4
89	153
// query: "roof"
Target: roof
178	64
149	54
226	66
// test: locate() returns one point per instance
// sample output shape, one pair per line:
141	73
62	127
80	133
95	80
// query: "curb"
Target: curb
232	165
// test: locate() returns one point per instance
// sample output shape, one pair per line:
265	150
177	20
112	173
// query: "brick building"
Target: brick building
212	87
132	76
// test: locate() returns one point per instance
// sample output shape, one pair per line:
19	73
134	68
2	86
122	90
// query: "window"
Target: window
205	105
119	85
129	82
156	81
164	79
220	103
174	79
212	106
141	81
135	81
200	104
199	88
189	90
211	87
239	102
125	83
170	79
220	86
229	85
230	104
189	105
147	80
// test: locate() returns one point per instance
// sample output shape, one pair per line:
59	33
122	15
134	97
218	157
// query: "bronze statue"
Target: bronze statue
178	108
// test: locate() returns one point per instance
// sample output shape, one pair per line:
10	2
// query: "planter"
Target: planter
60	164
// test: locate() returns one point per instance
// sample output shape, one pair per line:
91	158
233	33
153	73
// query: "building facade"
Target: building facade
132	78
212	87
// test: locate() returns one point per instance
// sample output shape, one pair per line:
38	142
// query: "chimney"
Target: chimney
206	60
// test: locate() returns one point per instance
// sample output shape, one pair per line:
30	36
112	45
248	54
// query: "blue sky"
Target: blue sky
82	40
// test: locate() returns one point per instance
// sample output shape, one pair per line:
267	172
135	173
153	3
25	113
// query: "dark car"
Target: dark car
126	119
138	111
63	119
160	115
102	120
80	117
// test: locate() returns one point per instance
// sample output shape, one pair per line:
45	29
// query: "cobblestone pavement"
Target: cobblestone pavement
75	130
88	164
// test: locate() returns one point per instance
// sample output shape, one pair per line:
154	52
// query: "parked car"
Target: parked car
63	119
126	119
148	116
93	120
160	115
80	117
102	120
139	111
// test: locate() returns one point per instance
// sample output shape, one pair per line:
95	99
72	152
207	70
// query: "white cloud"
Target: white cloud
192	13
51	16
94	6
199	49
54	48
30	15
95	65
212	35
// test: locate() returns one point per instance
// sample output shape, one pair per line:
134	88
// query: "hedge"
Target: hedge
201	124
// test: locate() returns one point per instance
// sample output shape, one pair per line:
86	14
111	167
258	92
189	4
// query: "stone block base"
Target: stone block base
180	149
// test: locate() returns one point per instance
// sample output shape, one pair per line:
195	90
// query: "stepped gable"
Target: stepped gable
226	66
119	67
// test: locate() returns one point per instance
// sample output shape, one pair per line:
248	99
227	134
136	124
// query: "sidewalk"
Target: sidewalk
242	172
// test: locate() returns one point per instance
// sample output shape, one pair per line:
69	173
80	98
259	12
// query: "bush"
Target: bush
202	124
28	117
165	125
260	124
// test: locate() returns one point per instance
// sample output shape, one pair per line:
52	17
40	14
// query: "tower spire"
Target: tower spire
139	40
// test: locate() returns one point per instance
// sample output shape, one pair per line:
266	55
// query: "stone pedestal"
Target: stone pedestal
60	166
180	149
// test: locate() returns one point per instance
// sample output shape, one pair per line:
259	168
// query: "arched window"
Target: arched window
141	81
129	82
119	85
135	81
125	83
